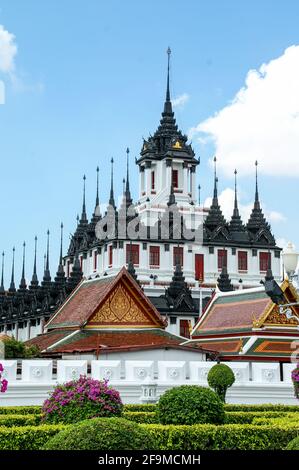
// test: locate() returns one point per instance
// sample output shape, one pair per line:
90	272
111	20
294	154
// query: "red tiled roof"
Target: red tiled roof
89	295
46	340
220	346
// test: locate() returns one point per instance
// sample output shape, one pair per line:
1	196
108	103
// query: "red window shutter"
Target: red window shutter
153	180
199	267
175	179
134	254
222	258
265	261
178	255
154	256
242	261
95	260
185	328
110	255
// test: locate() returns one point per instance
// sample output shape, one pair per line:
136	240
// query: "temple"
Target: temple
176	249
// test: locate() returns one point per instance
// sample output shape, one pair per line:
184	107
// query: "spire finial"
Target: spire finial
84	216
97	197
34	280
111	199
256	184
23	280
236	197
12	287
61	243
199	188
2	289
215	179
168	66
47	275
127	182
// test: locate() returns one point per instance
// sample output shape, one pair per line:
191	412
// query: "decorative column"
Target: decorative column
185	178
168	174
192	178
148	166
141	181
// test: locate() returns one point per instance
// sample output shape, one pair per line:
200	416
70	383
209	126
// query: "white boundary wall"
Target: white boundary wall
30	381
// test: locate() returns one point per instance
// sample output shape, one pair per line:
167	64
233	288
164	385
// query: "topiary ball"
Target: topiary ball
190	404
293	444
81	399
102	434
220	378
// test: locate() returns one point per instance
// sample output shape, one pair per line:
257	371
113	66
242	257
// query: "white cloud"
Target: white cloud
8	51
262	121
180	101
226	200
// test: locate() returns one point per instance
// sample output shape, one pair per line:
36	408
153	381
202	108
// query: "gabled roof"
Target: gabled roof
116	301
245	309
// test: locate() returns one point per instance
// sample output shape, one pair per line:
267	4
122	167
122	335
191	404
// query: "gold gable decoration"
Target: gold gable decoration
271	315
120	307
177	145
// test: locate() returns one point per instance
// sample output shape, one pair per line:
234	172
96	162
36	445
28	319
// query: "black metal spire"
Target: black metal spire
12	287
257	219
83	215
199	188
168	67
23	285
223	281
47	275
76	273
60	275
34	279
111	199
236	224
2	289
97	210
97	196
128	192
178	294
215	217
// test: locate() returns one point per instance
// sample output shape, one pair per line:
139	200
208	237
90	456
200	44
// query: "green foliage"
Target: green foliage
190	404
220	378
19	420
285	420
20	410
263	407
14	349
225	437
27	437
141	417
294	444
243	417
141	407
103	434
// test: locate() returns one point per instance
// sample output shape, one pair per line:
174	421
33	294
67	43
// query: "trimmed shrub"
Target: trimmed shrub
225	437
27	437
190	404
220	378
19	420
20	410
141	407
265	407
141	417
18	350
285	420
103	434
81	399
294	444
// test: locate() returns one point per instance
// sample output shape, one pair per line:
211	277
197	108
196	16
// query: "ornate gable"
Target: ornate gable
124	307
271	315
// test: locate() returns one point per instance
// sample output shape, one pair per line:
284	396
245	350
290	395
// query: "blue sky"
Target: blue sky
88	80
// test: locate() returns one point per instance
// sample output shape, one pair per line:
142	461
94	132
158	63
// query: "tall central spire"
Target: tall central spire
34	279
47	275
128	192
215	217
236	224
12	287
167	104
256	200
215	197
111	199
23	284
83	215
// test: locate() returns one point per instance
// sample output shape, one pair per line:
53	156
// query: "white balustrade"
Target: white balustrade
101	370
241	371
172	371
70	370
139	371
287	372
10	369
37	371
265	372
199	371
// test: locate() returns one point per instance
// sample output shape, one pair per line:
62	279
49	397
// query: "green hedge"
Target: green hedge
289	419
141	407
224	437
141	417
243	417
20	420
27	437
20	410
265	407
